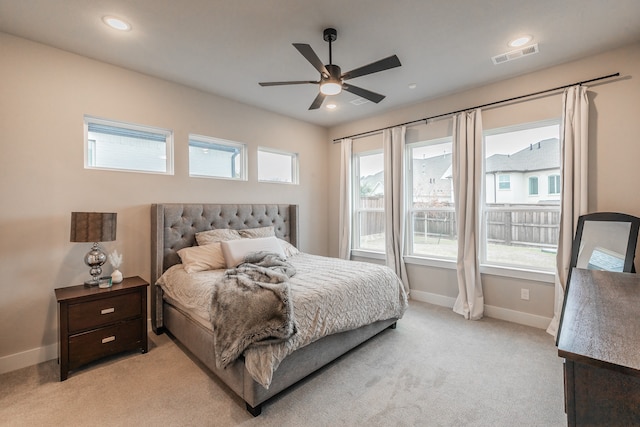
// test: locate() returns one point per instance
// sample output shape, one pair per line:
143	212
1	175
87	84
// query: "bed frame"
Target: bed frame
173	227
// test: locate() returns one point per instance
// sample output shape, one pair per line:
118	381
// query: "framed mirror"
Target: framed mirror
605	241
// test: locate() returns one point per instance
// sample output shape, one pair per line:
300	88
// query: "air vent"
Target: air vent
359	101
515	54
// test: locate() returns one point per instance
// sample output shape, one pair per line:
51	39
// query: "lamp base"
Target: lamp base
91	283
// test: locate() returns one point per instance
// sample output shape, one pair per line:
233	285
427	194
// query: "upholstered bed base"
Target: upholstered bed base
174	227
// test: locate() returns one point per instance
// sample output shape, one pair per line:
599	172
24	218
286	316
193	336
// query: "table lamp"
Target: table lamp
93	227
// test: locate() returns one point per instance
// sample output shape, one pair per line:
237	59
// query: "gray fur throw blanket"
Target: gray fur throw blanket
251	304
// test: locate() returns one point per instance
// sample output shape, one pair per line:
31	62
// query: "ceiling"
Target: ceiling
226	47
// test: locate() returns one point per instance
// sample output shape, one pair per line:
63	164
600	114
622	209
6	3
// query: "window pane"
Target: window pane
522	222
533	186
554	184
369	206
432	227
113	145
277	166
216	158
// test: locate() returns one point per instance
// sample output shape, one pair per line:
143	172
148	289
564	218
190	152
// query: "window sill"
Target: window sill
493	270
367	254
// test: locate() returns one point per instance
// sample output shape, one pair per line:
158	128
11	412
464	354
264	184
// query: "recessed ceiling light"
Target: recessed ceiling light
331	106
412	85
520	41
116	23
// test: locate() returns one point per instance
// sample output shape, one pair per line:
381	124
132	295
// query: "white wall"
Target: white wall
614	150
44	93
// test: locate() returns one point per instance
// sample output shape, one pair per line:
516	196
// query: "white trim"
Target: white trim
37	355
518	273
31	357
506	314
431	298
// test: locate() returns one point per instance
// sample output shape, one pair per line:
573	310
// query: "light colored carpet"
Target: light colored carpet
435	369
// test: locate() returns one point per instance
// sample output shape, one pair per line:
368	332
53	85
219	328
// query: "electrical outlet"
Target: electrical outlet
524	294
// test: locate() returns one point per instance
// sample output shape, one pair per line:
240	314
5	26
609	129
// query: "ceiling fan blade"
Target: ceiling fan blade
311	56
299	82
317	102
367	94
374	67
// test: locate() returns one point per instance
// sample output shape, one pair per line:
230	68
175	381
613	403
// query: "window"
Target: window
554	184
521	232
368	218
431	226
124	146
504	182
277	166
533	185
217	158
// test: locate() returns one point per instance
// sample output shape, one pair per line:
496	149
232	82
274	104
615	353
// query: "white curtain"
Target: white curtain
573	178
467	181
345	198
393	146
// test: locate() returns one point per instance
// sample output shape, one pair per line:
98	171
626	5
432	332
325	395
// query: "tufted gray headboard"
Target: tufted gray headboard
174	226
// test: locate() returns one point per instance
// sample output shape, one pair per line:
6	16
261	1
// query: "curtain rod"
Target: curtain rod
480	106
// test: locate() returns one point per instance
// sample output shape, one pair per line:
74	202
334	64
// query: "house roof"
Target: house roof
542	155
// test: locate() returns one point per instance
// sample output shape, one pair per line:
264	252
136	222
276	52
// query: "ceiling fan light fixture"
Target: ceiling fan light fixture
330	88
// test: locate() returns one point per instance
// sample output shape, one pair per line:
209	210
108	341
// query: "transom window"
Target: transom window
277	166
124	146
217	158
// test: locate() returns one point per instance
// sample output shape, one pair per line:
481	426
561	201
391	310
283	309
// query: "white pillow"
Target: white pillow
234	251
288	248
201	258
216	235
252	233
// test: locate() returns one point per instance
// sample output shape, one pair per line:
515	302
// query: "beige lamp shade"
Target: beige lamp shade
93	226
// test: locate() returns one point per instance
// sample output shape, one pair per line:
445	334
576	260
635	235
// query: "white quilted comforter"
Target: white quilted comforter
330	295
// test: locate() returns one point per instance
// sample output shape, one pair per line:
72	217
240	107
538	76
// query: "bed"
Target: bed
174	227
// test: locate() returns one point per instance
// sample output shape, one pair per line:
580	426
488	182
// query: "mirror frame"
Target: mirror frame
632	242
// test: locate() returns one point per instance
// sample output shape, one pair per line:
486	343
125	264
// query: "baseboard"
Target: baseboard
34	356
509	315
31	357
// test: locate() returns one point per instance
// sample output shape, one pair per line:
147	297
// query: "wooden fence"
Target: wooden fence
530	225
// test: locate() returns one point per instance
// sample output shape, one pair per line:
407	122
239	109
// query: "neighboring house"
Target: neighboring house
529	176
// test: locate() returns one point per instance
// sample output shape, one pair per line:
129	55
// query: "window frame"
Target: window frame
531	180
556	184
295	165
410	211
88	150
504	184
211	142
503	269
357	211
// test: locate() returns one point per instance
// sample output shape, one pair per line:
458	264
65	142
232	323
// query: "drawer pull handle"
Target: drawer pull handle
107	310
108	339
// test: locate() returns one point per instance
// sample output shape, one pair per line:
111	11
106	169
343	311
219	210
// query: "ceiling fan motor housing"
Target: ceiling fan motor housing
330	35
334	72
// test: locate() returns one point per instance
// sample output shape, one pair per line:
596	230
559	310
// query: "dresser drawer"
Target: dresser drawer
92	314
89	346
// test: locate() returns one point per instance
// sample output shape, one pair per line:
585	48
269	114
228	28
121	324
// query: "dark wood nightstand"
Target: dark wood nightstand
96	322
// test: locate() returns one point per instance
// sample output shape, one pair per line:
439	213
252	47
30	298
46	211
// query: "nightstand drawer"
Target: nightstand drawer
93	345
91	314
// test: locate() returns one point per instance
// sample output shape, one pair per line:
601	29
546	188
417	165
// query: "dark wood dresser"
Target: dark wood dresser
600	341
95	322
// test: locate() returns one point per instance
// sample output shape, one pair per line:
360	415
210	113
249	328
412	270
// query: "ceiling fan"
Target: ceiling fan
332	80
